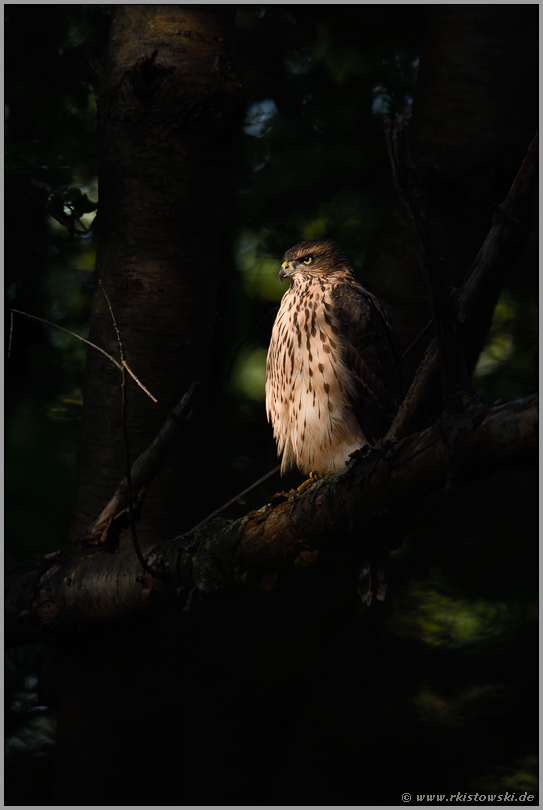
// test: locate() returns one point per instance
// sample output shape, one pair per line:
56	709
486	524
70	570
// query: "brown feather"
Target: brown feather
333	374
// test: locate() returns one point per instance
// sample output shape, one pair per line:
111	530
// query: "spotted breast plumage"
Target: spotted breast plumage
333	372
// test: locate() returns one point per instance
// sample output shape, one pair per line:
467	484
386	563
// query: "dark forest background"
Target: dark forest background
449	684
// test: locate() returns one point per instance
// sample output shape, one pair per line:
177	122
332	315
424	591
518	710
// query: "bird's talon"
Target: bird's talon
313	476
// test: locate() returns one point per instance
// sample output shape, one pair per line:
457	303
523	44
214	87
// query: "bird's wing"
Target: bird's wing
371	351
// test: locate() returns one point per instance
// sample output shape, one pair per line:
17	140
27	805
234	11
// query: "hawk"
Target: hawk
333	371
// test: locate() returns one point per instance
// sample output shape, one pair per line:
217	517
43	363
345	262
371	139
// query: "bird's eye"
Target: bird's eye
307	259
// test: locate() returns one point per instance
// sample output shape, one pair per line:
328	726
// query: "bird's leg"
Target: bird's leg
313	476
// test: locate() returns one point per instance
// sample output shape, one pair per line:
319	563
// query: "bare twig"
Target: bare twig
120	366
235	499
141	385
73	334
417	340
144	468
124	418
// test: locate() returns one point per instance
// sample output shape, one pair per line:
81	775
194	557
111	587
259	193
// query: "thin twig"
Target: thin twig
73	334
141	385
145	467
88	342
235	499
124	418
417	340
121	349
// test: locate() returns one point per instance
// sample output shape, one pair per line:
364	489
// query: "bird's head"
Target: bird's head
316	257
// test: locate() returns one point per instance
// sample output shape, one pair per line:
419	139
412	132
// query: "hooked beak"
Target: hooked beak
286	271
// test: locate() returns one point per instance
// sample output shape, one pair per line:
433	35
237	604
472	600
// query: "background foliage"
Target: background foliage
318	79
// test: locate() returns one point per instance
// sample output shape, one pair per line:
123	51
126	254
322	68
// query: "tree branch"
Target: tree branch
144	469
376	496
476	299
121	366
237	498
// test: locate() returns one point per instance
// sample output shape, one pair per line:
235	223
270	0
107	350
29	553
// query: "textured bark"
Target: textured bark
474	116
371	503
168	111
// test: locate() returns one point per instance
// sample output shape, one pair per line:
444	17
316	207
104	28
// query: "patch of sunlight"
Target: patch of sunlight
499	345
87	219
316	229
260	273
520	777
260	118
92	105
85	259
442	620
266	279
525	778
55	226
496	352
79	111
89	189
505	310
468	707
68	407
299	62
86	185
488	693
250	373
246	247
381	101
35	736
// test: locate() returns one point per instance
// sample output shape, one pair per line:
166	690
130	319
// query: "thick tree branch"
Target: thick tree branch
376	496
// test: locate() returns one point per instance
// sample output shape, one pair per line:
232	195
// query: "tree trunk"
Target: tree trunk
168	113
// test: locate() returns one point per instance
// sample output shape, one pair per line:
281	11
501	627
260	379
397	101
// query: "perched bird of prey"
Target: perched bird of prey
333	372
